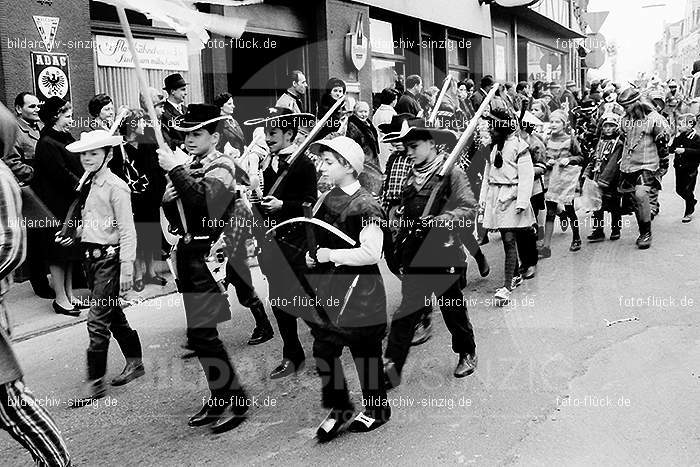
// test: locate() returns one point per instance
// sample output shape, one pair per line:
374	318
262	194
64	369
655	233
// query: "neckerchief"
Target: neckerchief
421	173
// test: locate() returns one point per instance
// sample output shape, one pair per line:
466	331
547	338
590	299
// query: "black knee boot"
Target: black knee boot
263	329
94	386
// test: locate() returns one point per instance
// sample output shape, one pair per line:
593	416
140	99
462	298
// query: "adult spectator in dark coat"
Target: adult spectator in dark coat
174	107
335	89
408	102
232	132
21	161
361	130
478	97
57	173
136	162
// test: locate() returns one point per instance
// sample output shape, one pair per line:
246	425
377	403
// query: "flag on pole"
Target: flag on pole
183	17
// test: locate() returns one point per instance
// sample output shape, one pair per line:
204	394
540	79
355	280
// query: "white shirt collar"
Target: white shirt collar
352	188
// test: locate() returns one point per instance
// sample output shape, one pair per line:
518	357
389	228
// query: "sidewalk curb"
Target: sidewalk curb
57	327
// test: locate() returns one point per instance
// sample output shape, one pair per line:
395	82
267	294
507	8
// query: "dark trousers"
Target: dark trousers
615	219
526	240
288	287
365	345
205	307
106	316
37	267
686	178
216	364
417	290
238	275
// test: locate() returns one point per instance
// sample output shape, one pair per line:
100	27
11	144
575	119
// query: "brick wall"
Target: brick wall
16	22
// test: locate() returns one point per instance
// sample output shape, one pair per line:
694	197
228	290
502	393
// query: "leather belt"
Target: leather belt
95	251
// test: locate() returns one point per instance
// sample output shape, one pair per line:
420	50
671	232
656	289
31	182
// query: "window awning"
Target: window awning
556	29
467	16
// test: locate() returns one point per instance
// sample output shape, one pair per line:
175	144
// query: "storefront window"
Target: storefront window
388	59
115	74
385	38
543	64
385	74
458	57
500	50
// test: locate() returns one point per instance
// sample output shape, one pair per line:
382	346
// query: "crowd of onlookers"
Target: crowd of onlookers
42	165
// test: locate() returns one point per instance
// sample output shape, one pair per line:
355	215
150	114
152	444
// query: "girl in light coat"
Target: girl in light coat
505	194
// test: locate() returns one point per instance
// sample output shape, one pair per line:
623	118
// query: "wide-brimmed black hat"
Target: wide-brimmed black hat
198	116
174	81
419	129
282	117
396	122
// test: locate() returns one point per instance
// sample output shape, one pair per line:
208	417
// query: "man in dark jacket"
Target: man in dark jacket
686	147
174	107
408	102
478	97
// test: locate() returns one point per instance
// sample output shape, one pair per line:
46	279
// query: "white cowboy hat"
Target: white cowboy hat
347	148
94	140
531	119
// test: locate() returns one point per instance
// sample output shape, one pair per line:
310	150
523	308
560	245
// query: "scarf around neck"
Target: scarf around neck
422	172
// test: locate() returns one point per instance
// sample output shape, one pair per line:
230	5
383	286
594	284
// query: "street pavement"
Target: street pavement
559	382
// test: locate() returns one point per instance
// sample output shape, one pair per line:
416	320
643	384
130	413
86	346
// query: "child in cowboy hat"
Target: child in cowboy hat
350	286
108	238
200	201
430	249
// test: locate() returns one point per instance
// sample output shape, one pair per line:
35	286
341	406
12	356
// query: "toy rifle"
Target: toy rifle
456	151
305	145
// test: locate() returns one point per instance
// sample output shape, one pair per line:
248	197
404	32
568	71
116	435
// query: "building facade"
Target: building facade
76	48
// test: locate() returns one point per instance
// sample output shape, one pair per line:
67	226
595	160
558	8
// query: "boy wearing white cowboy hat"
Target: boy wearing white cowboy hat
431	256
339	269
108	238
204	188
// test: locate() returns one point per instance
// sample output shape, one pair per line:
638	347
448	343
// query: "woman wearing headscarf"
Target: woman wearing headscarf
57	173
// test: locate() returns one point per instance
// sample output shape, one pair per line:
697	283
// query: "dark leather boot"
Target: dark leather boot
263	329
131	348
94	386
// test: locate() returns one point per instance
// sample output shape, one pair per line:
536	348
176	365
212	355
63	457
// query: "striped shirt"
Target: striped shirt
12	252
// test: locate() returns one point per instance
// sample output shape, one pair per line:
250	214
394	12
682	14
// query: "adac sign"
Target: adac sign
51	73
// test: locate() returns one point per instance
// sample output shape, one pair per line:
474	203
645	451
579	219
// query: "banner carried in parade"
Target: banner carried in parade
154	54
185	18
51	74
